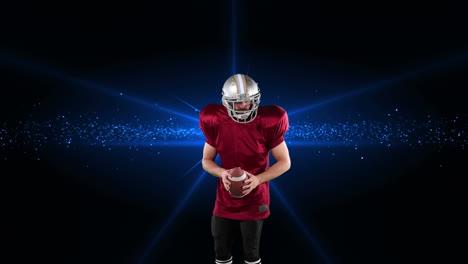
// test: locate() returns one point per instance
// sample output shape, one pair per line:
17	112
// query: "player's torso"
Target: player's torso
242	145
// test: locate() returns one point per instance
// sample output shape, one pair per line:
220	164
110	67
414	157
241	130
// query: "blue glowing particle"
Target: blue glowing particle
92	130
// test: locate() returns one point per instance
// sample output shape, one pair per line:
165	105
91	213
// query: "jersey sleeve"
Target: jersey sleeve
207	123
277	124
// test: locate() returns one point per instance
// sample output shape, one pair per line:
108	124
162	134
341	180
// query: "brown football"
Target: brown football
237	178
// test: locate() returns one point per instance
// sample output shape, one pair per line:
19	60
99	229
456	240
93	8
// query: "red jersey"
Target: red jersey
247	146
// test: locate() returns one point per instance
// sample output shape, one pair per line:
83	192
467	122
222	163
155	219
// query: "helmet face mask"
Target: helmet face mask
241	88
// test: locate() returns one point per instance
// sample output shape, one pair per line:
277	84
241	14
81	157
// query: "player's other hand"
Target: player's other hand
224	177
251	183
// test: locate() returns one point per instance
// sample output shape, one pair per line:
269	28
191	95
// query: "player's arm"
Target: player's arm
210	166
283	163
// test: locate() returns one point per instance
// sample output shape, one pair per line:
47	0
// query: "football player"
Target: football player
243	134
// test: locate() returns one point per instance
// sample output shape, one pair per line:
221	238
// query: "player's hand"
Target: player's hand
251	183
224	177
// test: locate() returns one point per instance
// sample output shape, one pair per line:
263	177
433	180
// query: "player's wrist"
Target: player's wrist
261	179
222	172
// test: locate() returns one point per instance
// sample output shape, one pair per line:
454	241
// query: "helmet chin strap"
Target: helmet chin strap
242	116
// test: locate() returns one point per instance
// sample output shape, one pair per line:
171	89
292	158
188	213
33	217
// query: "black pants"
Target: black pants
224	231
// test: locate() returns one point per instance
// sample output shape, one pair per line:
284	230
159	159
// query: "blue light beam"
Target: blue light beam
233	37
191	106
301	225
195	119
193	167
21	63
424	70
170	220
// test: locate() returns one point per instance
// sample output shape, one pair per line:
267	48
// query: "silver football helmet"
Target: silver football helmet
241	88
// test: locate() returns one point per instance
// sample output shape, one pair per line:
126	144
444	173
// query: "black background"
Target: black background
54	218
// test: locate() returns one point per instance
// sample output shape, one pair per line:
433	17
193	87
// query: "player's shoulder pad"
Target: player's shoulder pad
211	113
272	115
271	111
211	109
